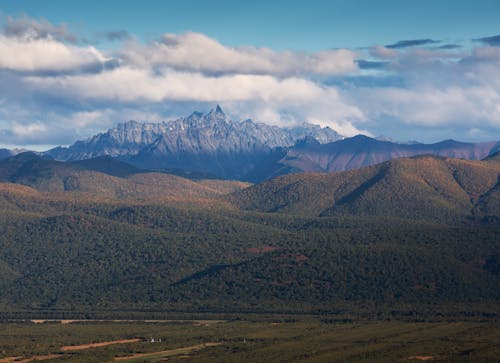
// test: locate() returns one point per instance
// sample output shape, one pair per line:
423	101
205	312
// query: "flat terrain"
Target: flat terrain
69	348
261	339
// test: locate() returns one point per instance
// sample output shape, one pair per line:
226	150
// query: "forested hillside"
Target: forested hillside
409	236
106	178
423	188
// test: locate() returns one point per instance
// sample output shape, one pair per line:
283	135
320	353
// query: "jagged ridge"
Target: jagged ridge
212	134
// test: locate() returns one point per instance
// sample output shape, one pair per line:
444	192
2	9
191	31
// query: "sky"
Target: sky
408	70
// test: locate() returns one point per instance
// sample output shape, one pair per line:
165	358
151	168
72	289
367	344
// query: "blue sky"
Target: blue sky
425	70
279	24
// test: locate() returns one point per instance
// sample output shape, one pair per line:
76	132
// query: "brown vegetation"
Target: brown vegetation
30	359
170	352
69	348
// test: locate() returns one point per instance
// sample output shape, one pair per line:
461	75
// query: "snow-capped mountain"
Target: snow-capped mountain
210	133
200	141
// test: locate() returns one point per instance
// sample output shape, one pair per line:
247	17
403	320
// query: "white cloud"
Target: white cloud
486	53
99	120
199	53
52	128
260	97
42	55
381	52
128	84
28	130
331	109
437	91
24	132
433	107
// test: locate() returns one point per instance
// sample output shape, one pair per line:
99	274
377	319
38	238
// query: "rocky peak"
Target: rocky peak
218	111
217	115
210	133
307	141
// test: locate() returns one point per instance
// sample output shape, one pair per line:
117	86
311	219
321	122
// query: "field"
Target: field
258	339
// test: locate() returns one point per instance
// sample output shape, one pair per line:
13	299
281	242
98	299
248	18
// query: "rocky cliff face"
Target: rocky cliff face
198	134
210	143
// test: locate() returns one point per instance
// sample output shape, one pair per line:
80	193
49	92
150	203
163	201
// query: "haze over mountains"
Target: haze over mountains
359	151
213	144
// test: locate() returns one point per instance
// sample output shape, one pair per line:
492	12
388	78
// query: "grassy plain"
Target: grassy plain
266	339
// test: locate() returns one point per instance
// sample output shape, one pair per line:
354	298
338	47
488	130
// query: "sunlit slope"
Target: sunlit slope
421	187
46	175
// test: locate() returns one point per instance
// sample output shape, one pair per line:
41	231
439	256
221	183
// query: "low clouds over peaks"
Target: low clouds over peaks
58	87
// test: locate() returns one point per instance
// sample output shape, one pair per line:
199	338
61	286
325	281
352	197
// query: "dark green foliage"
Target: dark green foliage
401	238
145	257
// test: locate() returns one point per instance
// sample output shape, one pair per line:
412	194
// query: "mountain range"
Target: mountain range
358	151
206	143
425	187
213	145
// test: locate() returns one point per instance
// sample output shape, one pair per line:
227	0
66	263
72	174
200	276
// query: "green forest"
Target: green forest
415	238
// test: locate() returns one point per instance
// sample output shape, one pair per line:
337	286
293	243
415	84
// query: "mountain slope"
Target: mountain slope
6	153
108	165
47	175
489	202
359	151
422	187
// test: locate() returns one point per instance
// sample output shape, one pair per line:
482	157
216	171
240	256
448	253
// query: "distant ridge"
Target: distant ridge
212	145
5	153
108	165
359	151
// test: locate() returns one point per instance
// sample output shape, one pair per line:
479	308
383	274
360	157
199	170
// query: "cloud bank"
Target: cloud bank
46	55
56	88
199	53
